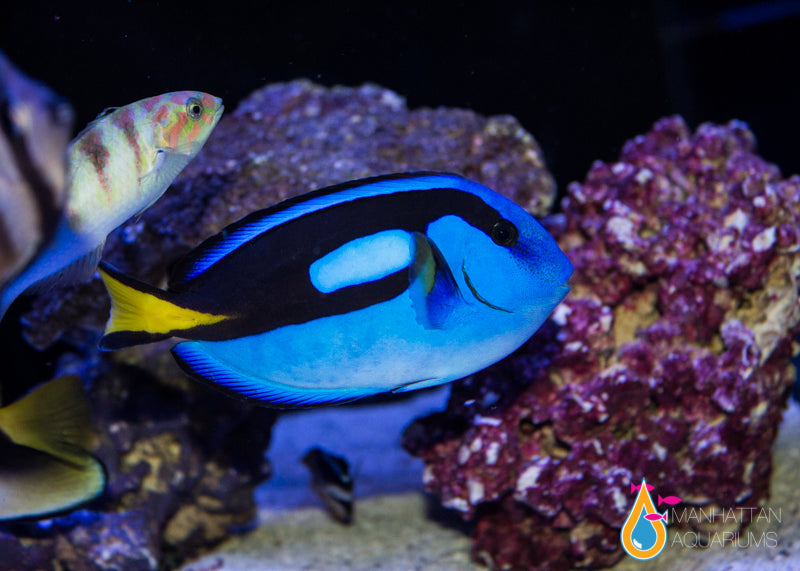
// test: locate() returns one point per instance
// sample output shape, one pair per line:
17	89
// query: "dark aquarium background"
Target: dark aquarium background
582	77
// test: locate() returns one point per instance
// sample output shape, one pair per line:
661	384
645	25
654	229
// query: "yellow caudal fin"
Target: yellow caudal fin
37	484
53	418
142	314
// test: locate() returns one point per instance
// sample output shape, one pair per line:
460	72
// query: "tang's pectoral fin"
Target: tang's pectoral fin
200	364
434	292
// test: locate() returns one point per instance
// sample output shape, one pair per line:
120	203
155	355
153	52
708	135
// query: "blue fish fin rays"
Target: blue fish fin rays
196	362
79	271
434	292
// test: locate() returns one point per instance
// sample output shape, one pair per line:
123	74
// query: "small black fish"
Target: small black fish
331	481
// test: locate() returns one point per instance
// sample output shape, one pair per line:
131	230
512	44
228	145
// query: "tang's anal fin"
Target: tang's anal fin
433	288
200	364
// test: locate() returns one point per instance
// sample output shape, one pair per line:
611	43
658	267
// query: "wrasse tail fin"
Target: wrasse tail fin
196	362
47	269
141	313
53	418
79	271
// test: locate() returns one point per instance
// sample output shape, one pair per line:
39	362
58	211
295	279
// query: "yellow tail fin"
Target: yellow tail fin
38	484
141	313
53	418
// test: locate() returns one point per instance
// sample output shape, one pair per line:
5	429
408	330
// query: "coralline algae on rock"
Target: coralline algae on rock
670	359
182	459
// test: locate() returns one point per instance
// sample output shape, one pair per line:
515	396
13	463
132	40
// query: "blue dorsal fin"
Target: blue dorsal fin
197	363
253	225
104	113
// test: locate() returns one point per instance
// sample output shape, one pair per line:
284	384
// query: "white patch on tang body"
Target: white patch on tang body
363	260
247	232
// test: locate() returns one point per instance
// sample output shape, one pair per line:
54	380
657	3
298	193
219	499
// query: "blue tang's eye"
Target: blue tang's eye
504	233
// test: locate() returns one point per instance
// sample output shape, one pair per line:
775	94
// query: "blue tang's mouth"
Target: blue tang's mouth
478	296
560	292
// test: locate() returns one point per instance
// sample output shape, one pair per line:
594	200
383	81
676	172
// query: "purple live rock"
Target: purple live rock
669	360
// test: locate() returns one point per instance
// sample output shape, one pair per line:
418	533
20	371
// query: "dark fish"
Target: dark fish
331	480
35	128
393	283
45	461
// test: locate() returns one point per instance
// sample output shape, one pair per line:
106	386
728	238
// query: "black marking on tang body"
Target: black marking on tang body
264	283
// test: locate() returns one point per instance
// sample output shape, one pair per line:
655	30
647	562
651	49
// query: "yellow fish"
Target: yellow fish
45	463
117	167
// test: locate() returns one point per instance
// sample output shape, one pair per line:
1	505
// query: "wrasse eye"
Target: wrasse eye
504	233
194	108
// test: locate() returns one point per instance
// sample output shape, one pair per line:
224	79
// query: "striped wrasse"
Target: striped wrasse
118	166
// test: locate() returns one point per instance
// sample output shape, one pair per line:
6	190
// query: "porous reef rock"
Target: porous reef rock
669	360
183	459
181	464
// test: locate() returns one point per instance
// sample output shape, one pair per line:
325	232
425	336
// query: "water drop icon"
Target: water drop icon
643	535
643	538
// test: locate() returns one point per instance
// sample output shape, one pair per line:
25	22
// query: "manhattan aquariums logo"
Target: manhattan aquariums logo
704	517
644	533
